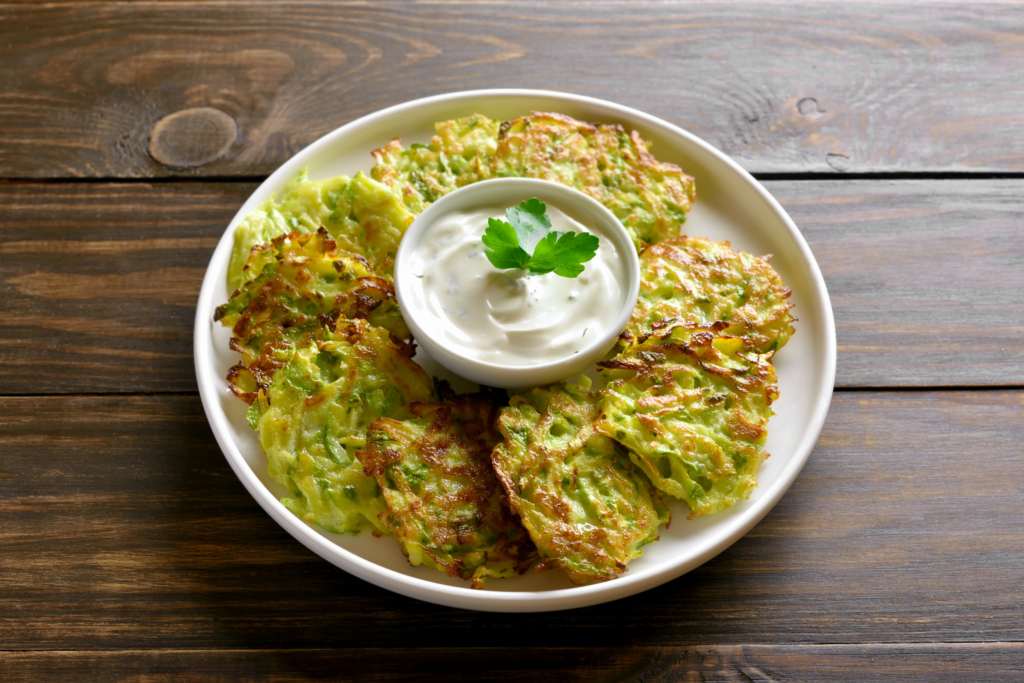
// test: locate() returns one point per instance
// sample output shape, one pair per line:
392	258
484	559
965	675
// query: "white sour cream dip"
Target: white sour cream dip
506	317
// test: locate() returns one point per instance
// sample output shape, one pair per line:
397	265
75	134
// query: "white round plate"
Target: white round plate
730	205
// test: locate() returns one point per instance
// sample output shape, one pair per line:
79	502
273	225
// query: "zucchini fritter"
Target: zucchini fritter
303	286
315	414
695	282
365	218
650	197
457	156
587	508
692	408
443	498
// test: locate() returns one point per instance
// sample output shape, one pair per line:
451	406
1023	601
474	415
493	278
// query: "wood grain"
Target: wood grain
978	663
926	277
124	528
99	281
793	87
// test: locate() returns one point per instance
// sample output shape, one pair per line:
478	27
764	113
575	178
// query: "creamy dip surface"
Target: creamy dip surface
506	317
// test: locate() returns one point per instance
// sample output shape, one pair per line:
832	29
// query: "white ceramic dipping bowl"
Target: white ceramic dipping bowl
510	192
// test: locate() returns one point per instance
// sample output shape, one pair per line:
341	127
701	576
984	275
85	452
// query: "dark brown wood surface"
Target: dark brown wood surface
130	133
121	90
979	663
121	537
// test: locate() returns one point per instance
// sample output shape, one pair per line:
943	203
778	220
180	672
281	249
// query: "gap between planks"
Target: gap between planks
954	644
768	176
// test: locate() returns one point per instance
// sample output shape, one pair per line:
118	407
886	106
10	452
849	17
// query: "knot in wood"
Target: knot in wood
809	108
192	137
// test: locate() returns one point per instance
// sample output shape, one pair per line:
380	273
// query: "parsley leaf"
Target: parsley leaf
503	245
530	219
527	242
563	252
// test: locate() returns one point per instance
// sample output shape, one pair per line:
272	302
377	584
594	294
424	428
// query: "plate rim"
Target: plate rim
507	601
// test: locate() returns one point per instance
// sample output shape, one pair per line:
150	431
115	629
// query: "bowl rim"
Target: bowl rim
511	376
464	597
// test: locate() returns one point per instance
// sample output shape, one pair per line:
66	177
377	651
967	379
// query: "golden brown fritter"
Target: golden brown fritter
363	216
303	285
456	156
588	509
314	417
700	284
443	498
693	409
650	197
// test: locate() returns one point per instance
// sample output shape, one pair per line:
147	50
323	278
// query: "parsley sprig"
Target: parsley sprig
527	242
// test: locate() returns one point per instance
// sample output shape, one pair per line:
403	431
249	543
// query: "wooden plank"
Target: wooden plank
759	663
99	280
232	89
124	528
99	283
926	278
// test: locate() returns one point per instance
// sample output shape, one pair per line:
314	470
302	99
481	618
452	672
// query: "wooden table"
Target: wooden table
131	133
